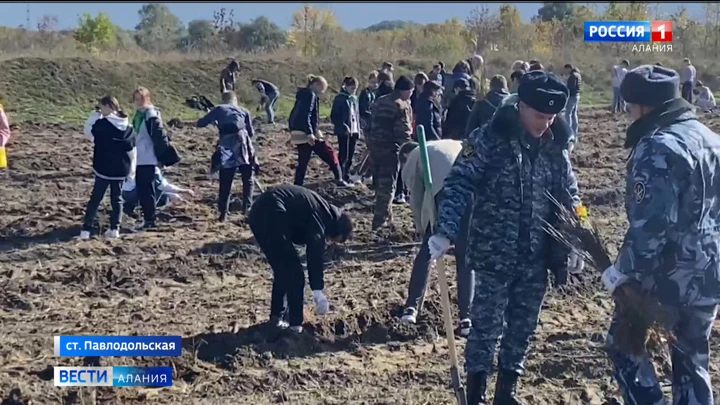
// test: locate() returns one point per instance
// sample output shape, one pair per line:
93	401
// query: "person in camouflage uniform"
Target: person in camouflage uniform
671	248
391	127
505	168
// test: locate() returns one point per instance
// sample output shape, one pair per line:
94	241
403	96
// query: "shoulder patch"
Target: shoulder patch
639	190
468	148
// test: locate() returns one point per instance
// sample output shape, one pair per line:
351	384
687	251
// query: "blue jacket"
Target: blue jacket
672	199
234	147
305	114
506	173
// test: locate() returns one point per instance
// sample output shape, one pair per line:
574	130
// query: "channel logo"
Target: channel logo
627	31
116	376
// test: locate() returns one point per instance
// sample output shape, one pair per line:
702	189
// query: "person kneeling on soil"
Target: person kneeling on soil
168	193
441	155
287	215
114	141
235	152
705	98
304	132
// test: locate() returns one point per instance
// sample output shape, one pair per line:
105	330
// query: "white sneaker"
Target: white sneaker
356	178
279	322
296	329
84	235
112	233
464	327
400	199
410	315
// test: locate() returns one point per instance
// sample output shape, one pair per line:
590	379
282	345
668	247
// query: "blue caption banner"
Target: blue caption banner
617	31
116	376
115	346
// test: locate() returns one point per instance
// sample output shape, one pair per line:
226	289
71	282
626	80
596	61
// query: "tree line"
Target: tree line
555	34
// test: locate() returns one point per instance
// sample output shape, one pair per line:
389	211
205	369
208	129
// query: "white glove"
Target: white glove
438	245
612	278
575	264
322	306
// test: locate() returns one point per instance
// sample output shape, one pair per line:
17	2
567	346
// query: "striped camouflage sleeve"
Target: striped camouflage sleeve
652	204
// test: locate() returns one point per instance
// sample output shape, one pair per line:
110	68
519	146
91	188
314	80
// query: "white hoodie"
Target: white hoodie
706	99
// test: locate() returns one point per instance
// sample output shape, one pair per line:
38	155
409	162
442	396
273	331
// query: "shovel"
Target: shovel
442	277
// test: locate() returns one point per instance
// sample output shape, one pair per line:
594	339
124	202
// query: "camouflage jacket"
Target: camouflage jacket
391	121
507	179
672	245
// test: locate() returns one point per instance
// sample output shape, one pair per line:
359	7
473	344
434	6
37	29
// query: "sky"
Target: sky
350	15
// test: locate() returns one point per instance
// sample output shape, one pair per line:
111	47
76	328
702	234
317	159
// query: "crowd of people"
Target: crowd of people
494	155
690	85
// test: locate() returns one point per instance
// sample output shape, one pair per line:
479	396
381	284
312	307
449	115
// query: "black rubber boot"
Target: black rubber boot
505	388
476	387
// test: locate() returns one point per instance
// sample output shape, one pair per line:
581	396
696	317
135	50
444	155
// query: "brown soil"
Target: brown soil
209	283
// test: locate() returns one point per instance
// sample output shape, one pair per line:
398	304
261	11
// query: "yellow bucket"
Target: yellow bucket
3	158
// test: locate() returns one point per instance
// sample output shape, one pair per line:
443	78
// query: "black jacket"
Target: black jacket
303	217
574	82
305	114
457	115
413	99
427	114
344	111
484	109
114	140
366	101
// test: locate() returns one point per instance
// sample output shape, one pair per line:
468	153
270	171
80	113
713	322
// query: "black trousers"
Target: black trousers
686	91
226	179
324	152
145	186
288	273
346	145
98	192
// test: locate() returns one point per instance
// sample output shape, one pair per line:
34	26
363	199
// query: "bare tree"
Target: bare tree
483	26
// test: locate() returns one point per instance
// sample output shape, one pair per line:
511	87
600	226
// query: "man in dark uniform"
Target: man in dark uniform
287	215
671	248
505	168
